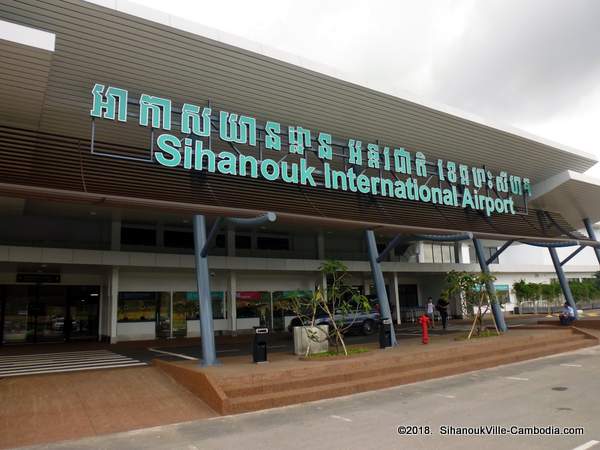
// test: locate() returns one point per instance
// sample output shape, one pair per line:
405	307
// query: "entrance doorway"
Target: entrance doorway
408	295
171	318
48	313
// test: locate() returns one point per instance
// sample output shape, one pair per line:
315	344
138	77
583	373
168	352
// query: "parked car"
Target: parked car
363	322
58	324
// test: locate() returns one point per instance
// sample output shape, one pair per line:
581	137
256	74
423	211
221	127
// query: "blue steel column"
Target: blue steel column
564	283
592	234
209	354
382	297
496	310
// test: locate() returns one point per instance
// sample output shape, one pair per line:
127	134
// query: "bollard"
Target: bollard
385	333
259	345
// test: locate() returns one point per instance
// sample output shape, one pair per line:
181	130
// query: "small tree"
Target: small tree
550	293
526	291
580	290
472	287
457	285
339	303
482	297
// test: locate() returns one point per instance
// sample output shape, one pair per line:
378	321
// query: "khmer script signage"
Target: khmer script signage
398	173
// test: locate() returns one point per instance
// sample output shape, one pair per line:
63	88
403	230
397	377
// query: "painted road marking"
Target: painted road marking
61	355
571	365
587	445
179	355
53	363
42	363
345	419
446	396
517	378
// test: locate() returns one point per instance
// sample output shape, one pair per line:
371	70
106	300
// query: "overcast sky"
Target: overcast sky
532	64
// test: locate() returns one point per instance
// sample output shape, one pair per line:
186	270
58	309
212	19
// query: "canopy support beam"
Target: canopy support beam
592	235
209	354
201	246
382	297
571	256
499	252
483	264
562	279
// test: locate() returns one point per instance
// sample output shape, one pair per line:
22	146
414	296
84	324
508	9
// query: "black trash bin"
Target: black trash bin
385	333
259	346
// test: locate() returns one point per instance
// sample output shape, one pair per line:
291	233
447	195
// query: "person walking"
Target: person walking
431	311
442	307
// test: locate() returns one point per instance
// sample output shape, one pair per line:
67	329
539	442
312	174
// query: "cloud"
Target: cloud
533	64
522	59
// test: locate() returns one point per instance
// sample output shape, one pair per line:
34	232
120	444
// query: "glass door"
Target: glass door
17	325
171	320
83	306
50	313
179	312
163	316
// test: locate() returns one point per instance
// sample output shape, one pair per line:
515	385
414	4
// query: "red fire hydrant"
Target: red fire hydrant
424	321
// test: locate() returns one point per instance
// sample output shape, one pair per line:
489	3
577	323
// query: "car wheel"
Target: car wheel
368	327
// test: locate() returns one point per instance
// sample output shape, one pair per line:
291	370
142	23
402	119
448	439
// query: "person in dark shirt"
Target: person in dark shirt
442	307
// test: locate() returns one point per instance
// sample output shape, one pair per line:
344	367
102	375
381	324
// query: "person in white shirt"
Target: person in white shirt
430	311
568	315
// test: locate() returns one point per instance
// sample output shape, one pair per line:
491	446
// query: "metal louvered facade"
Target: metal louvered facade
47	153
60	168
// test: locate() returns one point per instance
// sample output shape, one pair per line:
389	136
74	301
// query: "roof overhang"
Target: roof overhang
55	159
574	195
121	43
312	221
499	146
25	57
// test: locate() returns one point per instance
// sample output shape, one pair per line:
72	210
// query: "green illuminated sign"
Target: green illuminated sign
367	168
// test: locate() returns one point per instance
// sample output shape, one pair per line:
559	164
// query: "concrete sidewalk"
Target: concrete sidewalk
558	390
48	408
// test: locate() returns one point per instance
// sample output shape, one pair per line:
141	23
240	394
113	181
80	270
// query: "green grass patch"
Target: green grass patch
484	334
332	353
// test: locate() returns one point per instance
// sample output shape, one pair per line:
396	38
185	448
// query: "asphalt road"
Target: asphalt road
558	391
281	342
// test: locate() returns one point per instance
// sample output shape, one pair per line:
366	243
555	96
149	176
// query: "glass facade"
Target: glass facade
48	313
439	253
189	302
487	252
254	305
169	312
140	306
282	311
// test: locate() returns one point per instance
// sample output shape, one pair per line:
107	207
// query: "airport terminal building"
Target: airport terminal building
136	147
